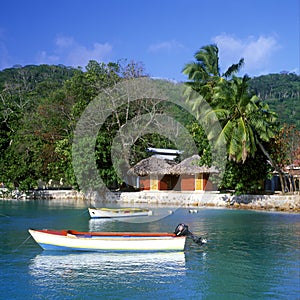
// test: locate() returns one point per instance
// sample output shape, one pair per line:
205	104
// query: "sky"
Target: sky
163	35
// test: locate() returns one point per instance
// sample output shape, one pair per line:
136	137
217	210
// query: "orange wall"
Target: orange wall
187	183
168	182
208	186
145	183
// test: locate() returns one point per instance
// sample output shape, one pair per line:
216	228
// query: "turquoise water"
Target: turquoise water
249	255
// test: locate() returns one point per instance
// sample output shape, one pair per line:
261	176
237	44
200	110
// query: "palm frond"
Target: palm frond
208	56
234	68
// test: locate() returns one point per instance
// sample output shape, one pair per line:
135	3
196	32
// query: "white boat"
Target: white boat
118	212
71	240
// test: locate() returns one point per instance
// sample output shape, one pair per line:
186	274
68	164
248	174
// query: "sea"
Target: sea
248	255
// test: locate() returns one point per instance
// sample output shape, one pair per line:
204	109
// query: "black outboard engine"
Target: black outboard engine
183	230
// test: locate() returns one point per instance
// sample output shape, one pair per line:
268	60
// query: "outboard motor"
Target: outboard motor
183	230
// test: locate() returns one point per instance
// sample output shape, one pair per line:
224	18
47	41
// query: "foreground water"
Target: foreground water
249	255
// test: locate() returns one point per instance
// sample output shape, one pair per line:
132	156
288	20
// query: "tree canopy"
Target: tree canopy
41	105
247	122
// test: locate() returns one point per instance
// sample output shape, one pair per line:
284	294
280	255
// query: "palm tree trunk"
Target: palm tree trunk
276	168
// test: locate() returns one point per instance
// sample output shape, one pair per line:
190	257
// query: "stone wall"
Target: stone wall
186	199
56	194
214	199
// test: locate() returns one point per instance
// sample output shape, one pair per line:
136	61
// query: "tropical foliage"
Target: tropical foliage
246	121
282	93
41	105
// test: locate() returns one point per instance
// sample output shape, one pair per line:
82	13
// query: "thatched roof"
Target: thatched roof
151	166
189	166
157	166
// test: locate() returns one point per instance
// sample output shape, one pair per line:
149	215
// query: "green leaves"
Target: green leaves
244	118
233	69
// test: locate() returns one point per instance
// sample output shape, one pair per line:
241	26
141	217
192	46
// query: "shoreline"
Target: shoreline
192	199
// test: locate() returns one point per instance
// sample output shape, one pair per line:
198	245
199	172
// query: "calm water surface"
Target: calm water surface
249	255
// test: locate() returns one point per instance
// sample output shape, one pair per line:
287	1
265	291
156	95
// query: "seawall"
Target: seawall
276	202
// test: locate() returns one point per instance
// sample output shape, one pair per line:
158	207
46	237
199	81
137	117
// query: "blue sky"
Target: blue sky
162	34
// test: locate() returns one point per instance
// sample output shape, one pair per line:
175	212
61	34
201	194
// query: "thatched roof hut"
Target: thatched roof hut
189	166
151	166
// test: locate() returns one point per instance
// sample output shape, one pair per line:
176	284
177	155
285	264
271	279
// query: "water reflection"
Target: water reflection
100	224
55	267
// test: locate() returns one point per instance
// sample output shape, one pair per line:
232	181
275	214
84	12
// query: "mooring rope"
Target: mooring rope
3	215
22	243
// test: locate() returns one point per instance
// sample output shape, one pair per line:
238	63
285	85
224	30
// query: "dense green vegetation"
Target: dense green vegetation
41	105
282	93
246	122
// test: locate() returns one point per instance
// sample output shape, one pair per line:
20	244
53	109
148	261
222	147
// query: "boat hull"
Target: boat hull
97	213
143	242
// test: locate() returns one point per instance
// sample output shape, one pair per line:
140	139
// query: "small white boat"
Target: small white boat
71	240
118	212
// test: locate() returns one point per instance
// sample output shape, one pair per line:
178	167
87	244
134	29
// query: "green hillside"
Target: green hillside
282	93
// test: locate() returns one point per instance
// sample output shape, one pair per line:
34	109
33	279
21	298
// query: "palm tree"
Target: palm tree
246	120
204	73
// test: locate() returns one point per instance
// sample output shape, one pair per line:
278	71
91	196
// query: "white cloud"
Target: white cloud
80	55
256	52
44	58
165	46
64	41
70	53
